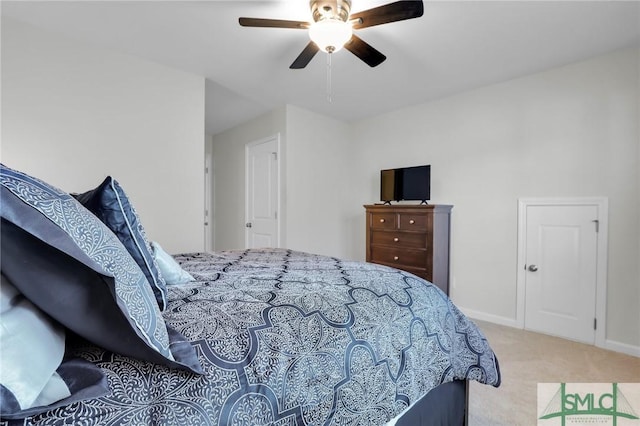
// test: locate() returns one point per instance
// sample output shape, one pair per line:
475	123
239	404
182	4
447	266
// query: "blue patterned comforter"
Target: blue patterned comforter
289	338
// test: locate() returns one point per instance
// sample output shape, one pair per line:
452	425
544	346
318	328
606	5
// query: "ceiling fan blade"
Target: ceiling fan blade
364	51
305	56
273	23
392	12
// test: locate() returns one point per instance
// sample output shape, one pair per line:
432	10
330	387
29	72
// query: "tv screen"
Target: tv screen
406	183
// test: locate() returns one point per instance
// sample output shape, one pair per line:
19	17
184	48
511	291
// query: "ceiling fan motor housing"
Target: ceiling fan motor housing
330	9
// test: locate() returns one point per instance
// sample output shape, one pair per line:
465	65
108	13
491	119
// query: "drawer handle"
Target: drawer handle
396	239
395	258
381	220
411	222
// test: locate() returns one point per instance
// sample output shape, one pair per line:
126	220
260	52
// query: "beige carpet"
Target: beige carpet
527	359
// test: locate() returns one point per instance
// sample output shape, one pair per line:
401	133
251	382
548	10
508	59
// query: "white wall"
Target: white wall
73	114
571	131
318	164
229	176
314	163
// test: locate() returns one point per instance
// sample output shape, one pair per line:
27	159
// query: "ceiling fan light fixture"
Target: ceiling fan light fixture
333	27
331	34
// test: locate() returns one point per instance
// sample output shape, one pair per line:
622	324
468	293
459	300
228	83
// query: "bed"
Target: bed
246	337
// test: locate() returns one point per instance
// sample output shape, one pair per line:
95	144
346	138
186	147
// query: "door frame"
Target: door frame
247	149
602	204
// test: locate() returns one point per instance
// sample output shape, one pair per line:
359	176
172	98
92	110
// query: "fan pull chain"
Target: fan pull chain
329	78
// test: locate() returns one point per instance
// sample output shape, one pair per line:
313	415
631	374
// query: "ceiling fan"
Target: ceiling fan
333	25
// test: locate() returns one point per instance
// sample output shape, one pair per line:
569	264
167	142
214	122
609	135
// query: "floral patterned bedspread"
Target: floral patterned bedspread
290	338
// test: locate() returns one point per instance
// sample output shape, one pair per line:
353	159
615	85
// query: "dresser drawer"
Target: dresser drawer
421	272
399	239
414	222
381	220
399	256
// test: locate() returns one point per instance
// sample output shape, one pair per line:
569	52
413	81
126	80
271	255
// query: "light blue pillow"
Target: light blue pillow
169	268
32	347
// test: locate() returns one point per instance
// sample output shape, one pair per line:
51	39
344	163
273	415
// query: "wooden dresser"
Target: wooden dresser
411	237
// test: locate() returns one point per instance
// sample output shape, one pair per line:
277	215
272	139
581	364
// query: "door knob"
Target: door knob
533	268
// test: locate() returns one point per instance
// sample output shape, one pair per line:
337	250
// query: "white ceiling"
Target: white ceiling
455	46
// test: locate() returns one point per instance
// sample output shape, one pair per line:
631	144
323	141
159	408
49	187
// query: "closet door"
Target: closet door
560	270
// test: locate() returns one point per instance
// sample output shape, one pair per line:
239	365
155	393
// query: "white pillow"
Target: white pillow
169	268
32	349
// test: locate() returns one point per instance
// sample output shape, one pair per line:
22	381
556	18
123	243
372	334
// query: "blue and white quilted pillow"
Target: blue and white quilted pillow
70	265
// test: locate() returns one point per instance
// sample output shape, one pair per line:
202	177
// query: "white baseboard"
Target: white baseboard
611	345
624	348
495	319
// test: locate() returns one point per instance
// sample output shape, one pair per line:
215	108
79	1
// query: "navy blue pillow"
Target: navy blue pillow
109	203
70	265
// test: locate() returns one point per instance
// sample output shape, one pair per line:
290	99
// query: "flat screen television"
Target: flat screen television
406	183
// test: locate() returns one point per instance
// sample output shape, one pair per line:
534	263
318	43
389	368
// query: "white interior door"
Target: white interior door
263	183
208	205
560	269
